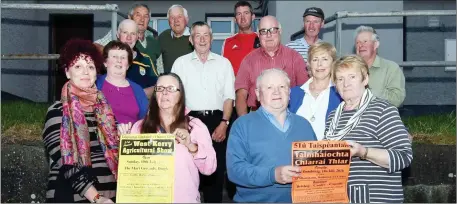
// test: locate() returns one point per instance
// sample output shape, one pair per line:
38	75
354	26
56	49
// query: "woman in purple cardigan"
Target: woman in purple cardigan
127	99
315	99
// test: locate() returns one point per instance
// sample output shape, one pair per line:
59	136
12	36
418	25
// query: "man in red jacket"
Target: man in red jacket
236	47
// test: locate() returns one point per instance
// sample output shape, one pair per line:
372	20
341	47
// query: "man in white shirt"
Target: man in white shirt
208	80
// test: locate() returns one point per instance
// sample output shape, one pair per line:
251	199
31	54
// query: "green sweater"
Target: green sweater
152	49
387	81
172	48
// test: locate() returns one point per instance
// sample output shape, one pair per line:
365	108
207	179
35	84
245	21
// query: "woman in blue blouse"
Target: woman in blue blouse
315	99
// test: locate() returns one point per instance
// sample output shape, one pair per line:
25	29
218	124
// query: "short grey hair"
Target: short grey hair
200	23
276	71
362	28
136	5
126	22
184	10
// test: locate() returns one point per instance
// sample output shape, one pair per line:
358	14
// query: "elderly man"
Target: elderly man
236	47
271	54
174	42
148	45
208	81
260	143
142	70
313	20
386	77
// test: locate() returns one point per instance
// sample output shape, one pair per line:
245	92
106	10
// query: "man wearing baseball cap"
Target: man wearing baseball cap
313	20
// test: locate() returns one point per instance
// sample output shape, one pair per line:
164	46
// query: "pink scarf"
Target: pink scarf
74	132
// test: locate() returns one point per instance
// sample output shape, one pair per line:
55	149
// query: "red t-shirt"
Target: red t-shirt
235	48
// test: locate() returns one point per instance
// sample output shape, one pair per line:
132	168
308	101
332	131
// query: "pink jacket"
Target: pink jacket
187	167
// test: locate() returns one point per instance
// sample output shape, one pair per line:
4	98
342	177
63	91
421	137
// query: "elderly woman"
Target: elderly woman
380	148
315	99
194	149
80	135
127	99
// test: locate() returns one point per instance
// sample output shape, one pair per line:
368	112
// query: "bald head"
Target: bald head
269	21
127	32
127	24
269	30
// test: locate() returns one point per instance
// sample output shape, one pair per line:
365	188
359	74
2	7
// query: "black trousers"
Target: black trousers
212	186
230	186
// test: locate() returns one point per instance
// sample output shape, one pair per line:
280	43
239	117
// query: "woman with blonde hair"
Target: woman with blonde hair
315	99
380	147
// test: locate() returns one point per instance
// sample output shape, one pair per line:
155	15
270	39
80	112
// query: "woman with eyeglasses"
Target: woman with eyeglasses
127	99
194	152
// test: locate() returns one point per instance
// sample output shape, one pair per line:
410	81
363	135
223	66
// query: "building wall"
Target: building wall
27	31
290	13
25	78
429	85
424	85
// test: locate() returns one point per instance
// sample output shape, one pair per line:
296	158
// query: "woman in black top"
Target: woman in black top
380	147
80	134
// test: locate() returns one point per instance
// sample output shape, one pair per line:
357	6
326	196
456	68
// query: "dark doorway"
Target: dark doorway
62	28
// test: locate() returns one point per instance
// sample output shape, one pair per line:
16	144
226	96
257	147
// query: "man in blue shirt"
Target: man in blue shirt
259	146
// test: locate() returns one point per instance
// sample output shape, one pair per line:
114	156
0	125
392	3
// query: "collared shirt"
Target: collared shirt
387	81
258	60
144	43
207	84
275	122
236	47
186	32
315	108
105	39
301	46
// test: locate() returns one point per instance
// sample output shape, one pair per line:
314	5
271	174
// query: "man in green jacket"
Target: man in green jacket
386	77
148	45
174	42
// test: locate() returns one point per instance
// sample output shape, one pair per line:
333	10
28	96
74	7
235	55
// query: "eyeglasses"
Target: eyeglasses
272	31
170	89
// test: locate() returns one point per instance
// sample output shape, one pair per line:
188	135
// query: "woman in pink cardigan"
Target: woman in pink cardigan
194	151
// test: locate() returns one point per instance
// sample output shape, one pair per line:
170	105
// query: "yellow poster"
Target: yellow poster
146	168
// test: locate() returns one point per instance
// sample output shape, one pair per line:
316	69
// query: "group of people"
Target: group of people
234	114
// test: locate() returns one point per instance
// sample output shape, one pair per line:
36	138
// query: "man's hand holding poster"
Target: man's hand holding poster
324	171
146	168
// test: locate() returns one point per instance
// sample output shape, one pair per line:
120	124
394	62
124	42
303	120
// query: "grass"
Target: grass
23	121
433	129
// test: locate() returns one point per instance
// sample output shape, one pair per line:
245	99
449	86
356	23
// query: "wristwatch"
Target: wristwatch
226	121
96	198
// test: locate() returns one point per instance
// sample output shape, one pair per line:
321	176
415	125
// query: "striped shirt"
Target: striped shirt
105	39
380	127
67	183
301	46
258	60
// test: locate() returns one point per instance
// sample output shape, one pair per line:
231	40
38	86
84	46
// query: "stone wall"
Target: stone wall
431	177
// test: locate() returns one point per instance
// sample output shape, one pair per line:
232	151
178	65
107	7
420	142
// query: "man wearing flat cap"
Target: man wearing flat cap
313	20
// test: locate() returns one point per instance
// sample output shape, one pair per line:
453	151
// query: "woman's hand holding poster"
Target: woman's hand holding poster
146	168
324	171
